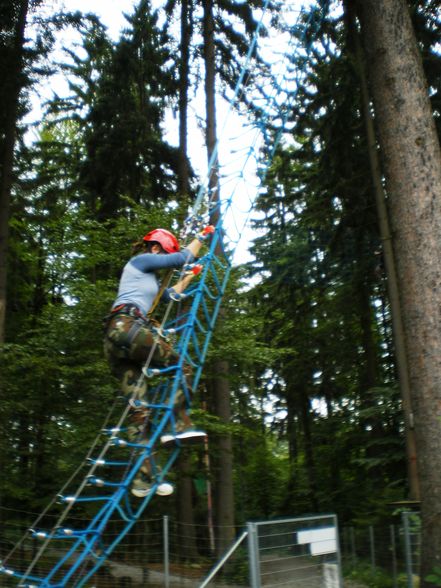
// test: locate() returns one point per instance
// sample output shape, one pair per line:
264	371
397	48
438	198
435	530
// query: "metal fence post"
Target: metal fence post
166	551
344	541
339	554
393	547
353	551
408	549
372	544
253	555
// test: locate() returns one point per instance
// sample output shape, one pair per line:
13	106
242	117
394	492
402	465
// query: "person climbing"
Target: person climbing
130	342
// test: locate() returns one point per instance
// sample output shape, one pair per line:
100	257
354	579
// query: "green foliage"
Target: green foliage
123	88
435	576
323	299
64	264
364	575
263	458
236	571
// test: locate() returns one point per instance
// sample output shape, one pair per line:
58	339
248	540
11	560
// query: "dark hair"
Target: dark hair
140	246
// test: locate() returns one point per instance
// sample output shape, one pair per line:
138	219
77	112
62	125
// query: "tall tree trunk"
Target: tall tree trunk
308	445
221	389
412	165
186	31
40	469
185	496
291	424
187	548
369	375
389	261
292	434
224	481
7	154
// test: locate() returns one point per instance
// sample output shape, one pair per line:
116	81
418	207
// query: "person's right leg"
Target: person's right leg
133	386
129	346
147	345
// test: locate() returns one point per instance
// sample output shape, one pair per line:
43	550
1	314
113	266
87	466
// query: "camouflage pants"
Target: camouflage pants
128	344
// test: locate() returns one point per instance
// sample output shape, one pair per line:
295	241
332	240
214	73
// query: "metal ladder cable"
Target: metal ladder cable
66	485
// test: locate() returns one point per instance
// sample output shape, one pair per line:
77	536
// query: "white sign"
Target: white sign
320	541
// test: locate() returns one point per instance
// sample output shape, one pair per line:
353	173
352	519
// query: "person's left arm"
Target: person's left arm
184	282
150	262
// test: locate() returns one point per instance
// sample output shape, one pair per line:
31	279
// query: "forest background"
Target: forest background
314	420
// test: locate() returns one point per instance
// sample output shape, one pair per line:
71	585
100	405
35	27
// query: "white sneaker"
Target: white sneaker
142	486
186	437
165	489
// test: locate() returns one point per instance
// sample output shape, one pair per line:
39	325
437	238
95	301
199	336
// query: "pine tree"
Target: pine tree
412	163
124	89
325	281
13	18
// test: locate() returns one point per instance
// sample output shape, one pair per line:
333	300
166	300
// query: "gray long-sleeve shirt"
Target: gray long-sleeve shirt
139	285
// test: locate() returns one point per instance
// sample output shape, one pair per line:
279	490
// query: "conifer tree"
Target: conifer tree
13	18
412	163
124	88
321	248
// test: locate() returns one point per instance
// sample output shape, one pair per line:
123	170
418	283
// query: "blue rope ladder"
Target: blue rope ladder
103	494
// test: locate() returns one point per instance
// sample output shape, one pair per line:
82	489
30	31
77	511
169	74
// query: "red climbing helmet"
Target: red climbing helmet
166	239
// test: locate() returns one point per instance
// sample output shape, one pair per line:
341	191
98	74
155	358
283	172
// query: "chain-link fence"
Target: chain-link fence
158	552
391	551
298	552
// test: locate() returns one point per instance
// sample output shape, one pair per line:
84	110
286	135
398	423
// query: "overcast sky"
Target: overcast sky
109	11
